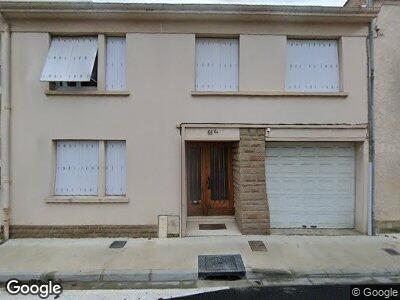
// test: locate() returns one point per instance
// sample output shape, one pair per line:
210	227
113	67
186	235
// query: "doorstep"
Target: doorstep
217	226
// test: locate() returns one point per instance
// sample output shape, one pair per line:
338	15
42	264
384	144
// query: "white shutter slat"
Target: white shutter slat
116	64
122	64
70	59
312	66
115	168
77	168
217	64
234	49
199	65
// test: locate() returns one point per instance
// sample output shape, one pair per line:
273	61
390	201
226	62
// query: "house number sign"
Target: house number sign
212	131
212	134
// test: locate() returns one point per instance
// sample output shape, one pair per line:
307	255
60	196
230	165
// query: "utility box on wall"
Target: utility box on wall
168	226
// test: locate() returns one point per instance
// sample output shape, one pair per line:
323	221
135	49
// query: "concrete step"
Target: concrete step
211	219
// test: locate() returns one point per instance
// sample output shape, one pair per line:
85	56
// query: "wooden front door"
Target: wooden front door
209	179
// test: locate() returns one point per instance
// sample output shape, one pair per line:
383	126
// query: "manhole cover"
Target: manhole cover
211	226
117	244
391	251
212	266
257	246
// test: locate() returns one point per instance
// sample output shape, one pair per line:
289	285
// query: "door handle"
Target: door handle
208	182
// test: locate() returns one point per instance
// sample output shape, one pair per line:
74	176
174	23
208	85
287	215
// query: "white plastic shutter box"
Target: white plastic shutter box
310	184
70	59
77	169
217	64
312	66
115	168
116	64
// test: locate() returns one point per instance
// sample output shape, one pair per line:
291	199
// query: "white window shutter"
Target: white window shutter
116	64
77	168
116	168
70	59
312	66
217	64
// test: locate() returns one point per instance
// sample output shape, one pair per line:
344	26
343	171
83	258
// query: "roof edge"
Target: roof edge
89	5
26	9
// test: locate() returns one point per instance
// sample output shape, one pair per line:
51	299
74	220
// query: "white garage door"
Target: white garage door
310	184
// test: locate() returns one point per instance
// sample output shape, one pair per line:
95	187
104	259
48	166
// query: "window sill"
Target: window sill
87	199
88	93
269	94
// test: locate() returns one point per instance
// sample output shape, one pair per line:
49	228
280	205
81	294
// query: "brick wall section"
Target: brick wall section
387	226
83	231
251	205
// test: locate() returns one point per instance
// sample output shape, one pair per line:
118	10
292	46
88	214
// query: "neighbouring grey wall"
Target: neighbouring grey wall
160	78
387	115
1	193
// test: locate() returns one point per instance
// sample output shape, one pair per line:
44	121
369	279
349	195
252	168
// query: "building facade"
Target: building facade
387	121
386	58
140	120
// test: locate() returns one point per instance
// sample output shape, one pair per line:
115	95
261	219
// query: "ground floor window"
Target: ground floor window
90	168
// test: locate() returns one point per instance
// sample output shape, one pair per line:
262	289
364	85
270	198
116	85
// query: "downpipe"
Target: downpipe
5	124
371	121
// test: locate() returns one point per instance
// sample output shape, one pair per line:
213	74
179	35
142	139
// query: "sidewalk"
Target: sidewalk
166	260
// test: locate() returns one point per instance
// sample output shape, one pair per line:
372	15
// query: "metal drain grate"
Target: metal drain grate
257	246
118	244
221	267
391	251
212	226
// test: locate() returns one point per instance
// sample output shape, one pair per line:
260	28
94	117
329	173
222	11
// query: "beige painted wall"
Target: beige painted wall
160	77
362	186
262	62
387	114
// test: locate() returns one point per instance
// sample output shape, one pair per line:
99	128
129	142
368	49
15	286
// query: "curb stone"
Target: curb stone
190	275
262	273
168	275
81	276
126	275
4	277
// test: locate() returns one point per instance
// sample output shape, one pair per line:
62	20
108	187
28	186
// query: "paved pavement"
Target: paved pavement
294	258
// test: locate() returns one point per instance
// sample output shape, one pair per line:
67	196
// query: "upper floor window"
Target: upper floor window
312	66
217	64
71	62
115	64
